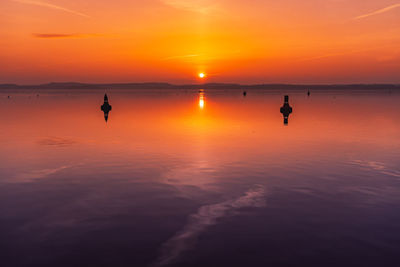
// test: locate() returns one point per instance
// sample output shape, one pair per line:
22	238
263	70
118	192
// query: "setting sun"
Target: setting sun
202	75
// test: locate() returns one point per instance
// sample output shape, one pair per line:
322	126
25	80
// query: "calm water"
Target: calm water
183	178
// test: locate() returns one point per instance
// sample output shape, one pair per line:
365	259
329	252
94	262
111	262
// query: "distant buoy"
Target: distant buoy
286	110
106	107
244	93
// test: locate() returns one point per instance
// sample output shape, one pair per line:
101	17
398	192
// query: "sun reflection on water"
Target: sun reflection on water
201	100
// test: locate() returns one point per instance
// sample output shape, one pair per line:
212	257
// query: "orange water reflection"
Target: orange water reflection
201	100
69	179
64	129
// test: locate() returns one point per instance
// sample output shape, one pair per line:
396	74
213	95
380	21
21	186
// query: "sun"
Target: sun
202	75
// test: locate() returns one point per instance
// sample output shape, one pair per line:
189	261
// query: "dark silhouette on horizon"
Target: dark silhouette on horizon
106	108
286	110
244	93
234	86
308	93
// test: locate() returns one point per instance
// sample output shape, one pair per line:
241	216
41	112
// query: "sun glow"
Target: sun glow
199	41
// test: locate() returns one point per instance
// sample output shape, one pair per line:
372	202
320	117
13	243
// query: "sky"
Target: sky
231	41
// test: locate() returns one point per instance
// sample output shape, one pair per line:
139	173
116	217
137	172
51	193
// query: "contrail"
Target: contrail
380	11
43	4
198	6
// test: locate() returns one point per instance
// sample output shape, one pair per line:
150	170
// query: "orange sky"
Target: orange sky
259	41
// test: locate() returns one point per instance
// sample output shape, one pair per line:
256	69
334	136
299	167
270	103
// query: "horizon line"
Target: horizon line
199	84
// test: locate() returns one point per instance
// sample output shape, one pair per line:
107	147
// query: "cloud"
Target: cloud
198	6
220	54
345	53
206	216
60	35
180	57
51	6
334	55
380	11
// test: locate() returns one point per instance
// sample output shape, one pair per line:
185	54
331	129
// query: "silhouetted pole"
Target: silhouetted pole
286	110
106	107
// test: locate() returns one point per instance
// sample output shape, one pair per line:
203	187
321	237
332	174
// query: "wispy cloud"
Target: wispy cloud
198	6
350	52
380	11
180	57
51	6
204	56
61	35
333	55
205	217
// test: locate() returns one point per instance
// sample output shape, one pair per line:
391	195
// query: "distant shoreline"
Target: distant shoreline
224	86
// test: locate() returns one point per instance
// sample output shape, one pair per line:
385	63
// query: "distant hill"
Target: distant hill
109	86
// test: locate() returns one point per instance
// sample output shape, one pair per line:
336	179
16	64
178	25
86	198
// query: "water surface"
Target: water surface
189	178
